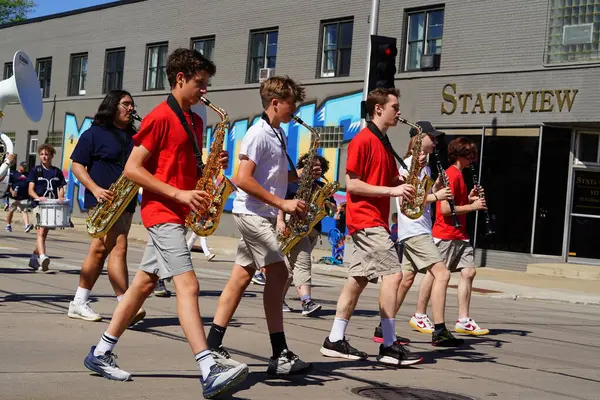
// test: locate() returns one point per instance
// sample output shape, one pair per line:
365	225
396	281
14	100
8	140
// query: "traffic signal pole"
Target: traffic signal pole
373	25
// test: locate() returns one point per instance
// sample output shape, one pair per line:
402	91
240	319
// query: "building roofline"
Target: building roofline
69	13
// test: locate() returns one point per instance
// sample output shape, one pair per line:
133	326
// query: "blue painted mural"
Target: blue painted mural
342	110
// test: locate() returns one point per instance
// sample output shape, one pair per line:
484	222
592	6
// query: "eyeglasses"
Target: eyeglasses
128	105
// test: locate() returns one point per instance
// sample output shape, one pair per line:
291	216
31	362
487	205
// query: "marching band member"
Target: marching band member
18	186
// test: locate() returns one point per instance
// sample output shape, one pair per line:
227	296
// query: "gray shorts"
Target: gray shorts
298	260
258	246
457	254
166	253
374	254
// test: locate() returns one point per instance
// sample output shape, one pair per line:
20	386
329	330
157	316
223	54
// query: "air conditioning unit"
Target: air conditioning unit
430	62
265	73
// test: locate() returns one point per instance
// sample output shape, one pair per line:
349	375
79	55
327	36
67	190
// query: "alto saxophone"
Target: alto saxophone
104	215
212	181
414	209
299	226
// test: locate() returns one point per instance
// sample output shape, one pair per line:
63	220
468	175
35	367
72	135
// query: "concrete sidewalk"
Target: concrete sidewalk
490	282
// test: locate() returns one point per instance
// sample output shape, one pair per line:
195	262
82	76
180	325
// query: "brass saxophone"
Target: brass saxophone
104	215
317	207
212	181
415	208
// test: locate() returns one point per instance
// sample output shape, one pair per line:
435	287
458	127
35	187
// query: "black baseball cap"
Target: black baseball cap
427	128
23	164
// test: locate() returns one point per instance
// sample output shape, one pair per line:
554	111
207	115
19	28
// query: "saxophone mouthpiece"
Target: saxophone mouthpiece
205	101
135	116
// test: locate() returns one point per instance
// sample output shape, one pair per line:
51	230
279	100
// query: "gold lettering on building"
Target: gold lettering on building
555	100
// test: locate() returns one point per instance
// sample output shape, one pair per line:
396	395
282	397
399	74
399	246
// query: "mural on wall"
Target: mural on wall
342	110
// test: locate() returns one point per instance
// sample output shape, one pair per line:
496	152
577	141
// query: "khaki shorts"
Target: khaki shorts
420	253
258	246
457	254
20	205
298	260
373	254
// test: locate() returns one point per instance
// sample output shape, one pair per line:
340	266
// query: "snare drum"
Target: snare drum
54	213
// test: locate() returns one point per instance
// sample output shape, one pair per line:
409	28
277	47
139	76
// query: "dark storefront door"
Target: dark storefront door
585	216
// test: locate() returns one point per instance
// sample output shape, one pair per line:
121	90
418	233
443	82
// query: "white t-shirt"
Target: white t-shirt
261	145
407	227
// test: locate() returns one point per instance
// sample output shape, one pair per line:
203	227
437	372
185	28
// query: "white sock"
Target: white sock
82	295
107	343
338	330
389	331
420	316
120	297
205	360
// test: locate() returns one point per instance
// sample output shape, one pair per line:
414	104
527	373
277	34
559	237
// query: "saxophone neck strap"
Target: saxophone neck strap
386	143
278	134
174	105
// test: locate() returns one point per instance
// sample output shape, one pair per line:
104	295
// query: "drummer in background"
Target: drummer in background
45	182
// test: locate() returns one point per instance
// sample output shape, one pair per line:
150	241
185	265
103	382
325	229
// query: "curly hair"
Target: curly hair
304	157
48	147
281	88
461	147
189	62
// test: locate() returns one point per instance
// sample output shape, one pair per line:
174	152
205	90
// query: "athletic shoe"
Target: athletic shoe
446	339
397	355
140	315
422	325
259	279
44	262
83	311
8	228
105	365
210	257
160	290
34	263
222	379
378	337
28	227
286	308
221	356
342	349
309	307
287	364
470	328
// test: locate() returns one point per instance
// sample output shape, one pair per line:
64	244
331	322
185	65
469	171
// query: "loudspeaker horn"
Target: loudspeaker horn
23	87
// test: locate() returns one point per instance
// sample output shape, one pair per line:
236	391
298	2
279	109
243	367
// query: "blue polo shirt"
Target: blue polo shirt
104	152
20	184
292	189
47	181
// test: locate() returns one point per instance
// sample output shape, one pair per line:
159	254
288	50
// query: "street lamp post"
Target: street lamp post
373	24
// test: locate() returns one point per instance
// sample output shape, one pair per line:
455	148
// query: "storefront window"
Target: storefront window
588	147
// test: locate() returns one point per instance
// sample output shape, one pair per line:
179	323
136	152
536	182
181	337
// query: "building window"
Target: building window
263	52
55	139
8	70
114	64
573	31
424	39
330	137
204	46
11	136
78	74
32	151
156	66
337	46
588	150
44	70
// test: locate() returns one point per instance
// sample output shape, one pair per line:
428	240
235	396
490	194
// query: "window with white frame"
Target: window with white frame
330	137
588	148
573	31
114	65
423	37
44	71
156	70
263	52
337	47
8	70
78	74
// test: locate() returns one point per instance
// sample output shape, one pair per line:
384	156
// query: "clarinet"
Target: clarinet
442	173
488	223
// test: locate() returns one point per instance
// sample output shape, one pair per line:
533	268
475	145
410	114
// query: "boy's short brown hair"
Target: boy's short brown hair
189	62
461	147
379	96
281	88
48	147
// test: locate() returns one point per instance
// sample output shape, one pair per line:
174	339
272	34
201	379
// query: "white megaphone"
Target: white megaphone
22	87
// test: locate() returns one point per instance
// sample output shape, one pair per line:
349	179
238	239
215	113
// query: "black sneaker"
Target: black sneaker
378	337
341	349
446	339
287	364
397	355
310	307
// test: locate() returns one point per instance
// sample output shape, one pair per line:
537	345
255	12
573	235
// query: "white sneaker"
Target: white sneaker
83	311
470	327
210	257
44	261
423	324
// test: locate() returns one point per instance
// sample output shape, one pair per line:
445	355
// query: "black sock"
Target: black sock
439	328
278	343
215	336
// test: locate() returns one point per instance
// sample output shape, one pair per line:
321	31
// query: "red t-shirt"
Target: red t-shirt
171	161
369	159
443	228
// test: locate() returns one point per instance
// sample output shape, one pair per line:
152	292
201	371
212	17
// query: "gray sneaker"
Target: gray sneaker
221	379
222	357
105	365
287	364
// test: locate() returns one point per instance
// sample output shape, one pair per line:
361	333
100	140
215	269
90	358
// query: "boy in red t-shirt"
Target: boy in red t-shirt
371	179
163	163
453	242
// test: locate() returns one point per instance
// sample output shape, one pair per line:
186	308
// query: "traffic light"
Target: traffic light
383	62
